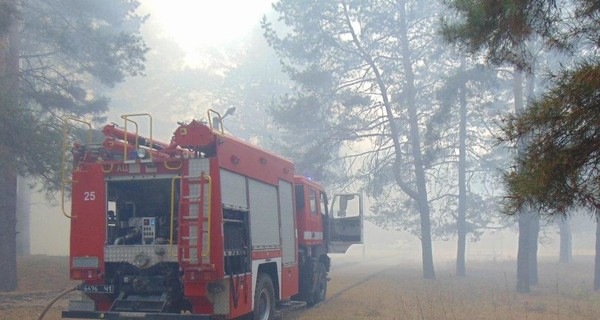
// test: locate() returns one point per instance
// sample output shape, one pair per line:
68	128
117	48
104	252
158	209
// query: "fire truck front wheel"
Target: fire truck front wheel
264	298
321	289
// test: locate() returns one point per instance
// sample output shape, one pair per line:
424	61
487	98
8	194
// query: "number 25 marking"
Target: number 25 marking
89	196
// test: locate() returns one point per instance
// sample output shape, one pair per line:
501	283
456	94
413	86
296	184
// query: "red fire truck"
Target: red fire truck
204	227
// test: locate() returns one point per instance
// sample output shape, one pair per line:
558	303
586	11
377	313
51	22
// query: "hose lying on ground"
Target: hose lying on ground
62	294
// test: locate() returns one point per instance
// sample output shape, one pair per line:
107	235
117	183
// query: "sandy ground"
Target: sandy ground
41	279
377	287
395	289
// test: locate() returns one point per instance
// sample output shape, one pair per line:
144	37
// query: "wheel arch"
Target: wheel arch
270	269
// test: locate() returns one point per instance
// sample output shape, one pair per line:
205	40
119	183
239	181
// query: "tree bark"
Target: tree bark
523	260
8	208
9	67
535	219
420	195
597	258
415	140
523	252
461	221
565	254
533	247
23	217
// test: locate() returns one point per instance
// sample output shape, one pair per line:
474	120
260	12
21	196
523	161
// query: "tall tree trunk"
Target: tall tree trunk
8	233
597	259
529	222
23	220
415	140
523	266
533	248
9	67
461	222
420	195
565	254
523	252
535	219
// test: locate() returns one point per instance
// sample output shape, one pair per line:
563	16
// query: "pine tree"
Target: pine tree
56	54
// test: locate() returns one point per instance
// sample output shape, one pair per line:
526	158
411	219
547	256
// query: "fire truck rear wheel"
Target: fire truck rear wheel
264	298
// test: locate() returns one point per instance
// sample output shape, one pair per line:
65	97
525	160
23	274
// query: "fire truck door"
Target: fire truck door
345	222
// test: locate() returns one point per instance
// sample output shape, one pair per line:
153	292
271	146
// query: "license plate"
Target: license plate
97	288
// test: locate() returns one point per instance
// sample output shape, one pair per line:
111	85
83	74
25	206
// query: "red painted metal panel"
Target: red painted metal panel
289	281
240	157
216	242
310	222
88	214
261	255
197	293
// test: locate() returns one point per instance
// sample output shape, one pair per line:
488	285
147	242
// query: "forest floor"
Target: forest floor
41	278
396	290
377	288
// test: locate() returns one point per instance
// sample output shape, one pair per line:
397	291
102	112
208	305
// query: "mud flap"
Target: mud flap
220	297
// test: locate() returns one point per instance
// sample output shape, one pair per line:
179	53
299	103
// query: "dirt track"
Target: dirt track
377	288
42	278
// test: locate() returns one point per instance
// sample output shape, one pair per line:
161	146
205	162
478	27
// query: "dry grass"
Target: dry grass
382	288
41	272
488	292
41	278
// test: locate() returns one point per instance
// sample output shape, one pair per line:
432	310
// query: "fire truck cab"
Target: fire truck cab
204	227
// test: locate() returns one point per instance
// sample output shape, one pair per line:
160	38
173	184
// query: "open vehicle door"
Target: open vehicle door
345	222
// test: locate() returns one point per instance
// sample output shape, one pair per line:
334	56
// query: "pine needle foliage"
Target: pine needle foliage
559	167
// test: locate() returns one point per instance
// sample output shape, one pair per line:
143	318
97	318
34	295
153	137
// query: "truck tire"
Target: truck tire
264	298
320	291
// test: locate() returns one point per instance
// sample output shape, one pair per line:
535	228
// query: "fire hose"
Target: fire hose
62	294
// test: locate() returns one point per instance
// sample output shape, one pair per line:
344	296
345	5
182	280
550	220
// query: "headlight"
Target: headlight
141	153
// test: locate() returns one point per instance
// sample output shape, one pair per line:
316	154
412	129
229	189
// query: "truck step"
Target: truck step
139	303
